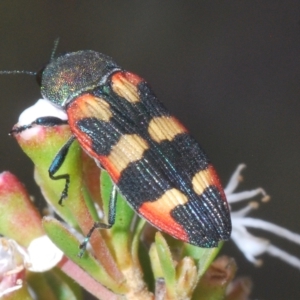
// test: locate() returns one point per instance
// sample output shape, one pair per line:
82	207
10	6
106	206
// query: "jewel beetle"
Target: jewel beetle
152	159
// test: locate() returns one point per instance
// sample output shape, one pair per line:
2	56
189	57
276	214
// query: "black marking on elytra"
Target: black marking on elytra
136	114
126	118
143	180
184	153
162	167
103	135
150	102
205	218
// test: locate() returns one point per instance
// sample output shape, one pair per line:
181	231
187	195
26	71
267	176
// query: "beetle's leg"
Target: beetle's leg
57	163
98	225
43	121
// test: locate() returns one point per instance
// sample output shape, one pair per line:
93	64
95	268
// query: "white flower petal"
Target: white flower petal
42	108
43	254
12	256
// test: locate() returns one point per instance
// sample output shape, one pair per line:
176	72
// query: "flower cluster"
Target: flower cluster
250	245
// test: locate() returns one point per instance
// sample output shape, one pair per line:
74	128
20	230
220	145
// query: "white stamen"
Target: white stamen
267	226
244	211
237	197
11	266
234	180
286	257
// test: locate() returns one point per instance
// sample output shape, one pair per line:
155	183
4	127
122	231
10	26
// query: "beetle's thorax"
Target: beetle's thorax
72	74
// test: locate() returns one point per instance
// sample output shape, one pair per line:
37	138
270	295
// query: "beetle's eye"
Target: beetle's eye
39	76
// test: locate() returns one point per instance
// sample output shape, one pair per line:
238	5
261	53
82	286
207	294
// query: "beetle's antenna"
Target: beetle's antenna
14	72
32	73
56	41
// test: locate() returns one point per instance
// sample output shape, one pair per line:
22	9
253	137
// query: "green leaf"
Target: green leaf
70	246
55	284
41	287
203	256
42	146
167	265
120	235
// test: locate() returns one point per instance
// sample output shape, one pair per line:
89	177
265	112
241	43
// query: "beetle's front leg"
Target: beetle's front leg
57	163
49	121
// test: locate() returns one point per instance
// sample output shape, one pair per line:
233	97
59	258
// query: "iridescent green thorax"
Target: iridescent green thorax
74	73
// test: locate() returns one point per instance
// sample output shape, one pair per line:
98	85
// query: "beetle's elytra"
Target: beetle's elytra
155	163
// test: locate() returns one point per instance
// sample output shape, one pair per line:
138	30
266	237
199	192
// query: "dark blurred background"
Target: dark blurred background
230	70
